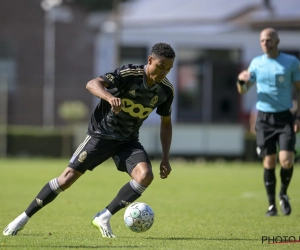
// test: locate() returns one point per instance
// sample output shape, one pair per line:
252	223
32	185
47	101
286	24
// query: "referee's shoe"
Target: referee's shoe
272	211
285	204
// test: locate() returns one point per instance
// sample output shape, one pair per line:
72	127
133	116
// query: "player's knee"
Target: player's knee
269	161
286	163
65	183
67	178
144	176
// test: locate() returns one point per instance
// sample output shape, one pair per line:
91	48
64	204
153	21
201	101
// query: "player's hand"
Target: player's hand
297	126
165	169
116	104
244	76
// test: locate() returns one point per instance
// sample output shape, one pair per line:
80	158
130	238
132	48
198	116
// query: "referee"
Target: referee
275	74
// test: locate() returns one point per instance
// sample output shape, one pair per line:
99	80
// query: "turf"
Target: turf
201	205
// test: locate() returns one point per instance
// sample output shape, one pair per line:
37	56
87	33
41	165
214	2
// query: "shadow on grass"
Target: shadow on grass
71	247
130	247
196	238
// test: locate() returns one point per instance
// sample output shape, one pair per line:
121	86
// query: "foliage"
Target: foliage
73	111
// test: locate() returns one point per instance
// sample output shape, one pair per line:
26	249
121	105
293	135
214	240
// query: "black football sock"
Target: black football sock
127	194
270	184
286	176
47	194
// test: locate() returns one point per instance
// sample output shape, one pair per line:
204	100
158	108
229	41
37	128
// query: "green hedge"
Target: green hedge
37	142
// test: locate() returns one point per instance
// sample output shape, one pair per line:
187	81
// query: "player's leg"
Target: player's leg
266	139
287	141
137	164
142	177
269	163
286	159
47	194
51	190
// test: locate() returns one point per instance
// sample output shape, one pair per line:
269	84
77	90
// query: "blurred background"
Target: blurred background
50	49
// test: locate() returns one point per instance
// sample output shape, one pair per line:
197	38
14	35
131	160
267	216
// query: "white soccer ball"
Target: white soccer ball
139	217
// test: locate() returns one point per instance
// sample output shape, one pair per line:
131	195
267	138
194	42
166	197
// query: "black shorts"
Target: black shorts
94	151
272	130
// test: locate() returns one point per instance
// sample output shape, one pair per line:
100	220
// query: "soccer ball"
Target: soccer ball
139	217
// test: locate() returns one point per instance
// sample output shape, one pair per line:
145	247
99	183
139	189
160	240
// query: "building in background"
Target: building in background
22	51
214	40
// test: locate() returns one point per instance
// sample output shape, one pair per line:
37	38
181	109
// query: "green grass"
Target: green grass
200	206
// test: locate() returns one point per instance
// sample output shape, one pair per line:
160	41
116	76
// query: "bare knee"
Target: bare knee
286	163
286	159
143	174
269	161
68	177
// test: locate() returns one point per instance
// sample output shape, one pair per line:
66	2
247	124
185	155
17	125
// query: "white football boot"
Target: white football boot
101	222
16	225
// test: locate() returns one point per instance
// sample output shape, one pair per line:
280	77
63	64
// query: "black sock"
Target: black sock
125	196
286	176
270	184
44	197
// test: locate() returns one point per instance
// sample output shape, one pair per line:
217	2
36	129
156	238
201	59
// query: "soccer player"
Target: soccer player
127	96
275	74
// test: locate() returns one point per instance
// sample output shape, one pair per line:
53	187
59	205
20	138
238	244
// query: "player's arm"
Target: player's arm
297	121
243	82
97	88
166	139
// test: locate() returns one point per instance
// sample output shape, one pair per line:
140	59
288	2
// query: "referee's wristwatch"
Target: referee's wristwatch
241	82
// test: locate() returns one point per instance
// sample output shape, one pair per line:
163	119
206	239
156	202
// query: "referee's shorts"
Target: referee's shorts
274	129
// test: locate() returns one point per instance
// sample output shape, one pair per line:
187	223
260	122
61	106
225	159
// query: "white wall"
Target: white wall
197	140
188	140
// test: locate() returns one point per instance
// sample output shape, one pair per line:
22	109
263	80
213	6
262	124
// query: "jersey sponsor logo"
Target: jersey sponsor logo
135	109
110	77
154	100
132	92
82	156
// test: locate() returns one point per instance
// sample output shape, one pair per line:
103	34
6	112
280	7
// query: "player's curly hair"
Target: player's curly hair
163	50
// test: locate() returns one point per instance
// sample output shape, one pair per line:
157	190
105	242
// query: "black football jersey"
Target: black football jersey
138	101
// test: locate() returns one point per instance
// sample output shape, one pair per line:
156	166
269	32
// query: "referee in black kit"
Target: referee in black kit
275	75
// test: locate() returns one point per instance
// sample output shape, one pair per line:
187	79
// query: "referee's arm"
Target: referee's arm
243	84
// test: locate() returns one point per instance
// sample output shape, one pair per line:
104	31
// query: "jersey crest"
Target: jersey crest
154	100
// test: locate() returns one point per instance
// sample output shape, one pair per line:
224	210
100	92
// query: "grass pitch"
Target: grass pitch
200	206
